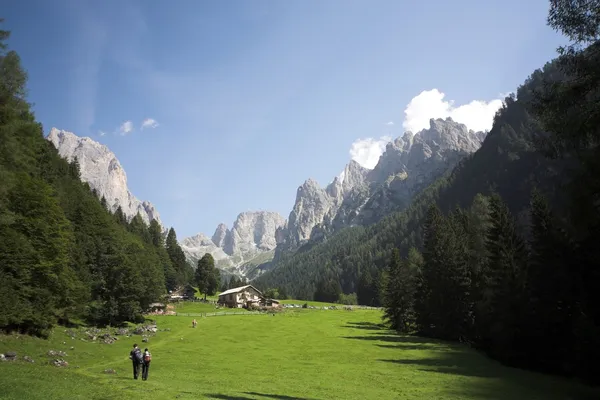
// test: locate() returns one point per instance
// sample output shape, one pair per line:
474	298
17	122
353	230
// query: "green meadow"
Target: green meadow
295	354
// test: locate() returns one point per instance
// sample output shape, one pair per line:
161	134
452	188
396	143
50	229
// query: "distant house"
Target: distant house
154	307
239	297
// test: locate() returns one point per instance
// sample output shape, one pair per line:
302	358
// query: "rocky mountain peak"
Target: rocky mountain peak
450	135
101	169
199	239
255	230
253	235
353	175
221	235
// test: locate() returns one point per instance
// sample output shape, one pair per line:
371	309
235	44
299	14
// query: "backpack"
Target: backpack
147	357
138	356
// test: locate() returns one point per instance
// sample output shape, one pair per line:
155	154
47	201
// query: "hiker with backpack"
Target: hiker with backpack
146	364
136	358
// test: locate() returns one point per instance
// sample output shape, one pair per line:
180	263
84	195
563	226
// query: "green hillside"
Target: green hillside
63	256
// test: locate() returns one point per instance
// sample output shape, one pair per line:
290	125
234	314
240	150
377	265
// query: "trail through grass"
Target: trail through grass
297	354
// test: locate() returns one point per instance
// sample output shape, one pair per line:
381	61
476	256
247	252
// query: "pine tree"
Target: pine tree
207	276
443	300
552	290
504	302
399	297
120	216
183	271
365	292
139	228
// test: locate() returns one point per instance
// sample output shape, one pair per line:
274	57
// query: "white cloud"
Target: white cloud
477	115
367	151
125	128
149	123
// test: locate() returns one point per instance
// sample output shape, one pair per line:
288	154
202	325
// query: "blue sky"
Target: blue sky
252	98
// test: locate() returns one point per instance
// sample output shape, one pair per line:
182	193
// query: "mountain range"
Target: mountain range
257	240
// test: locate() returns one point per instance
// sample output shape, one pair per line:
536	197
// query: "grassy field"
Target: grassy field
297	354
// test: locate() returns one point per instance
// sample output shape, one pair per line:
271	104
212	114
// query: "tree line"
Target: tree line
526	293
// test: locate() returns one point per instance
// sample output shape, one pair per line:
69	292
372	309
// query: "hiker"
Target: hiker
135	356
146	364
194	323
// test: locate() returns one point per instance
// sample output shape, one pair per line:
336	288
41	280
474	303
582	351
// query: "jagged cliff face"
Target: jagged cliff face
357	196
101	169
360	196
251	240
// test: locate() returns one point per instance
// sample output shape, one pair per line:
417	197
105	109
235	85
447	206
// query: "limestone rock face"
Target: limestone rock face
252	237
221	236
196	246
101	169
359	196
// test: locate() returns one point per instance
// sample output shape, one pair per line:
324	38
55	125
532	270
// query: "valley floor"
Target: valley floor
298	354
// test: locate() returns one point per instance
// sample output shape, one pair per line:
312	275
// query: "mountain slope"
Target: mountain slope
360	196
63	256
252	237
506	163
102	170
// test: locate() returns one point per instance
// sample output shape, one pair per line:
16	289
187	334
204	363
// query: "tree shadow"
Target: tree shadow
393	339
498	382
371	326
455	363
278	396
267	395
414	346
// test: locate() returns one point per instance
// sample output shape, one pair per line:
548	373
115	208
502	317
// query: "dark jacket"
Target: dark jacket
136	355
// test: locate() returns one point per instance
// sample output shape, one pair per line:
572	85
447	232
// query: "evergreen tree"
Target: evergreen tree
365	290
552	290
504	299
207	277
443	300
120	216
139	228
104	203
183	271
399	296
156	235
328	290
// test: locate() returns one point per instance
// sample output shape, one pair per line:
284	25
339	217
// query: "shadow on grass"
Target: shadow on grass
479	376
393	339
278	396
496	382
451	363
266	395
411	346
366	326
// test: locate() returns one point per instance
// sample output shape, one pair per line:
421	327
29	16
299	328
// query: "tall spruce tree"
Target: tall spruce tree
504	300
552	290
399	296
443	308
183	271
207	276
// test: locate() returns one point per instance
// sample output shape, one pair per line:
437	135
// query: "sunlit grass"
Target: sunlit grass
303	354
